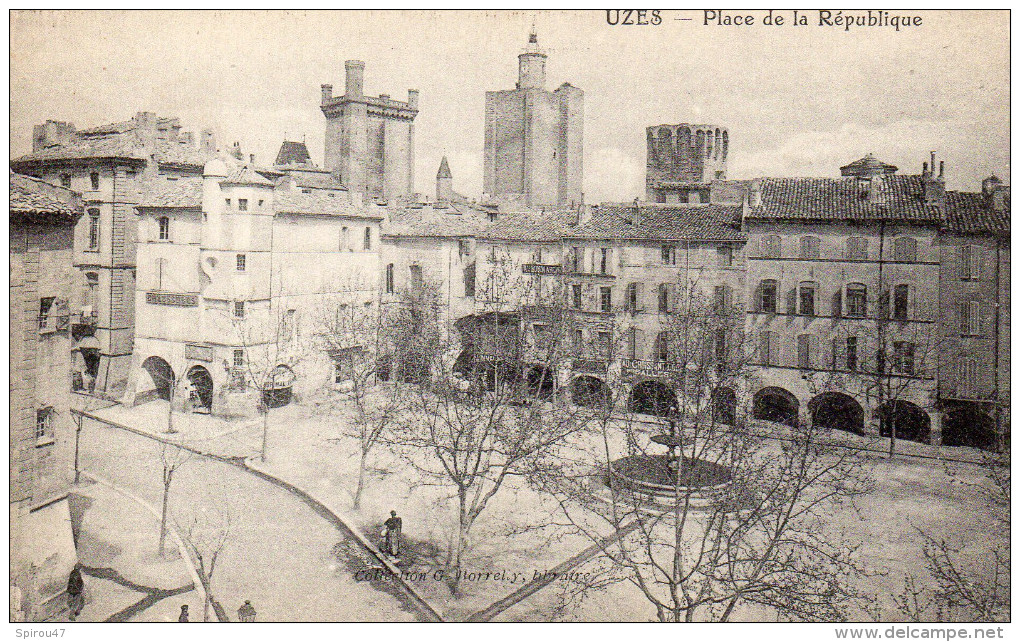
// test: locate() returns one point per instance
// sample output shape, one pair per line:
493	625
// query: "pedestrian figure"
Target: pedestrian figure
393	527
247	612
75	592
183	617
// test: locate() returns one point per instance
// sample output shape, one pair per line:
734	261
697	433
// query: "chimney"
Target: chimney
989	184
327	93
934	188
942	170
208	141
412	98
754	198
355	81
251	159
999	197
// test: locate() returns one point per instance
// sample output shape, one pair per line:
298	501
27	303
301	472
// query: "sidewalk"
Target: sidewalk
125	579
228	438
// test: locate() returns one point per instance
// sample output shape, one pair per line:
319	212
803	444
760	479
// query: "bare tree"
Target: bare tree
966	587
474	425
272	349
352	333
736	523
172	457
205	537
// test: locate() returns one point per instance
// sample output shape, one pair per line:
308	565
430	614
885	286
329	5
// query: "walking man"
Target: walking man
393	527
75	592
183	617
247	612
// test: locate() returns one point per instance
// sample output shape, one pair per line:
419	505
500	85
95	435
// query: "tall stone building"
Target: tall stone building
370	140
104	165
42	219
683	160
534	138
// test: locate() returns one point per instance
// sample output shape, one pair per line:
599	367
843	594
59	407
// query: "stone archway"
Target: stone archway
969	426
200	392
838	411
724	405
776	404
912	423
652	397
278	391
162	377
590	392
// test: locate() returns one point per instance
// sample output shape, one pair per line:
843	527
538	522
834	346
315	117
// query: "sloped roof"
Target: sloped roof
122	146
182	154
32	197
455	221
671	222
444	169
867	166
530	226
899	198
179	193
245	175
971	213
293	152
317	179
319	204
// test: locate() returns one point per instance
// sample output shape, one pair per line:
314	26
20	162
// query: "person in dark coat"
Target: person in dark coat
247	612
183	617
393	527
75	592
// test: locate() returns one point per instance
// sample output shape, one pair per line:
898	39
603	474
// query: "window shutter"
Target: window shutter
764	348
966	254
640	289
639	343
791	300
964	317
621	255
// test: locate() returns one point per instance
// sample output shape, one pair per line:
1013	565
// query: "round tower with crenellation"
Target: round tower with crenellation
683	160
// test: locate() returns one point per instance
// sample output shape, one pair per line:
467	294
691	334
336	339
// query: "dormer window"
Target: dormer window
94	176
863	188
242	205
228	202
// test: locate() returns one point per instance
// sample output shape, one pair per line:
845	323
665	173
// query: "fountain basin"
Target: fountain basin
653	475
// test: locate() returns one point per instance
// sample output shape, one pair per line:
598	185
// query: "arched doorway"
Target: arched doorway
200	386
776	404
279	388
541	383
912	423
653	398
590	392
837	411
969	426
162	377
724	405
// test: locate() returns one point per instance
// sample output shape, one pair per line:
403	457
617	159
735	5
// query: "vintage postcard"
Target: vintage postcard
511	316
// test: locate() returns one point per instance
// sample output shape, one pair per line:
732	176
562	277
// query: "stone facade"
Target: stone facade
104	164
683	160
370	140
41	428
534	139
264	258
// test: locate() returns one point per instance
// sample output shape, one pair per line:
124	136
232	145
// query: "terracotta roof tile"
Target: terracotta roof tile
657	222
31	196
319	204
161	192
971	213
838	199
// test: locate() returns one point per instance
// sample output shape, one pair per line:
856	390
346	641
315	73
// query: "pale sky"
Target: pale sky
798	101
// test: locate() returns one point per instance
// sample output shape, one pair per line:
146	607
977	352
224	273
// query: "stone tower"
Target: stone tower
534	138
444	182
370	140
683	160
